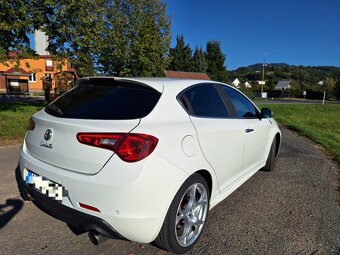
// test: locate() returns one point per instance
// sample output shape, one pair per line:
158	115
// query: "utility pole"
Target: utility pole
324	97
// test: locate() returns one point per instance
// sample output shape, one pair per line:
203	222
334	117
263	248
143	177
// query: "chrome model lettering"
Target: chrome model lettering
47	145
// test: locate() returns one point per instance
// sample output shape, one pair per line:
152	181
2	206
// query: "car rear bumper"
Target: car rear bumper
80	222
132	202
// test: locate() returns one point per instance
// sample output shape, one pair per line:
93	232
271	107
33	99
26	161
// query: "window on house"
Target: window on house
14	83
48	75
32	77
49	63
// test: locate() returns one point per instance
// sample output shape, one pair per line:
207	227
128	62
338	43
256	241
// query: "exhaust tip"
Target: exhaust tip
95	238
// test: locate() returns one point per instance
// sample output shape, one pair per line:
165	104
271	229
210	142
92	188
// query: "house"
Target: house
31	74
282	85
247	84
236	83
186	75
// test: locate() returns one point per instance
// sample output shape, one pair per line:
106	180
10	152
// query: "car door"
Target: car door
221	138
256	130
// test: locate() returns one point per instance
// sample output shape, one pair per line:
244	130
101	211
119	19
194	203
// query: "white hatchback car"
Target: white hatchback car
144	159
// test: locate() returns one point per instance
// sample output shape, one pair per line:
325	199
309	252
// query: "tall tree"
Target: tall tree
150	30
73	32
337	86
329	85
128	37
138	33
215	59
199	64
180	56
18	19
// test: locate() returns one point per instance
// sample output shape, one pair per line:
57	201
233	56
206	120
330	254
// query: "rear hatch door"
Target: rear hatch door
94	106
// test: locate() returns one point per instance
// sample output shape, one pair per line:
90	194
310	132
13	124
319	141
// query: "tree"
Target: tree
150	33
329	87
73	32
199	64
215	59
128	37
18	19
337	86
181	56
138	33
295	88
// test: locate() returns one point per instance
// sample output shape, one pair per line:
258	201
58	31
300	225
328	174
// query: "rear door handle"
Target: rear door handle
248	130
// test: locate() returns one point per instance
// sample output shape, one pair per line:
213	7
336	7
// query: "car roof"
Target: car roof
175	84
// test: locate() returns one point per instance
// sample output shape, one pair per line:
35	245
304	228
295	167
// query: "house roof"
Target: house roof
247	84
282	85
14	54
186	75
16	72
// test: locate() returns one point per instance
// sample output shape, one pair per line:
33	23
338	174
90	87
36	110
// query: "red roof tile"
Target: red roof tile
186	75
16	71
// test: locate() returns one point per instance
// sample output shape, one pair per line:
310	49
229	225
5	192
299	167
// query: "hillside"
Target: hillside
302	77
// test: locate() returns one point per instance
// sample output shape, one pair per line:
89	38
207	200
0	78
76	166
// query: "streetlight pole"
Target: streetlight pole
263	65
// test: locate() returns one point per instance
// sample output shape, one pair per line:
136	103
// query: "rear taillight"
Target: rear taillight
128	146
31	124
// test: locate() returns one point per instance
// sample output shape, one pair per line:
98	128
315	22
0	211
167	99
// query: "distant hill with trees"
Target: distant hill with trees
313	79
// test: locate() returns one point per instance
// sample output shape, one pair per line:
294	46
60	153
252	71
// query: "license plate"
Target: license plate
44	185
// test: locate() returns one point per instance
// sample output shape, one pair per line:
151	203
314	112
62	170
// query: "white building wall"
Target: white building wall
40	42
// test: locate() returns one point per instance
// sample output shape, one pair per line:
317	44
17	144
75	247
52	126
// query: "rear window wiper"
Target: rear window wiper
55	109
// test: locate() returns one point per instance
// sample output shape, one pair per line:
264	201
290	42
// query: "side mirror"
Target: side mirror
266	113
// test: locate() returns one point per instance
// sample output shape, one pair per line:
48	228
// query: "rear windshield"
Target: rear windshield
105	99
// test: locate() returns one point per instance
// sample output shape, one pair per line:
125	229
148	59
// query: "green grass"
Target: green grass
14	119
321	123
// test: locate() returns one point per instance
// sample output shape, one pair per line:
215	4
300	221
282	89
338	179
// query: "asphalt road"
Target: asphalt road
293	210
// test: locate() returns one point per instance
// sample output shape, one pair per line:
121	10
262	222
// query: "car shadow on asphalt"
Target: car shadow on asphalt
12	206
9	210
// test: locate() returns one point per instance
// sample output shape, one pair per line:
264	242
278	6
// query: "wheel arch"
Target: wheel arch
278	143
207	176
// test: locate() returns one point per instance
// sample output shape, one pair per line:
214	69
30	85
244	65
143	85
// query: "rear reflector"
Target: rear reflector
129	147
88	207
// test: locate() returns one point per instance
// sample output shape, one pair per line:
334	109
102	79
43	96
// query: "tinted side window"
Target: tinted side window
243	107
205	101
105	99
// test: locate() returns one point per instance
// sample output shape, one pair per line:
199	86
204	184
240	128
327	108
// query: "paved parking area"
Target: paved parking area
292	210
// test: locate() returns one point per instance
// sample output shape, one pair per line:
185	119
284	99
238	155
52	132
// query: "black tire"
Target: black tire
168	237
270	164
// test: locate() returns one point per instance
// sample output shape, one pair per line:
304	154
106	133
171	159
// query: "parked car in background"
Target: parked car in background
144	159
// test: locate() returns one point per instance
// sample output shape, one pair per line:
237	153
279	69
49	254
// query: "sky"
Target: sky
296	32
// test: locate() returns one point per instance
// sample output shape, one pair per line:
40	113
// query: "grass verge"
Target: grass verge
321	123
14	118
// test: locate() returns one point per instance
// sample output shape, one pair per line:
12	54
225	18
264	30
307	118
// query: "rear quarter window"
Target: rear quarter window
203	100
243	107
105	99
